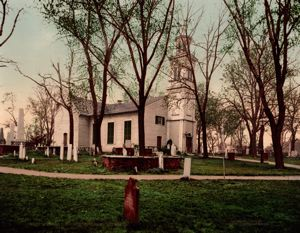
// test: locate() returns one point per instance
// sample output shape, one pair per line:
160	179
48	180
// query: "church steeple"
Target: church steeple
181	104
180	62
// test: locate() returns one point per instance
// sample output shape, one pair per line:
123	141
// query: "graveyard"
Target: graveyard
40	204
149	116
199	166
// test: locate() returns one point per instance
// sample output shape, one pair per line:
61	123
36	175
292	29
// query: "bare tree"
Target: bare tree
276	28
242	93
60	89
146	35
44	109
86	23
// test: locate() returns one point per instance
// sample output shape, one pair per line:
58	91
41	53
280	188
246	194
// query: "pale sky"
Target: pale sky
35	44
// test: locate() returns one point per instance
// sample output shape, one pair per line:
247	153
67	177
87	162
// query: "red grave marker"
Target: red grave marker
131	202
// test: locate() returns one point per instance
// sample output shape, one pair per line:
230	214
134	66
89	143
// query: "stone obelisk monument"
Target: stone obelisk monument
21	130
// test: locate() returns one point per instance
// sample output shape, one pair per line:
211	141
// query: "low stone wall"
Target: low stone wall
6	149
115	162
130	151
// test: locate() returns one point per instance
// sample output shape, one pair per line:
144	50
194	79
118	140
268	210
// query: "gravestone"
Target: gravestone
173	150
21	151
187	167
160	161
69	152
95	163
24	152
136	151
131	202
75	154
226	154
47	152
21	129
124	151
61	153
2	139
32	160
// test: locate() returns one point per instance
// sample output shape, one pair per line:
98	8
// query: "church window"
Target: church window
127	130
110	133
159	120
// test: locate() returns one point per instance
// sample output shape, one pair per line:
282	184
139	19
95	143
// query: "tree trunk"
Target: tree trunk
261	139
94	98
99	139
71	126
252	144
141	126
293	140
198	140
277	147
204	134
97	134
261	143
104	98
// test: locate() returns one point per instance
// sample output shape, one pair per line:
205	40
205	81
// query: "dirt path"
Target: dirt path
17	171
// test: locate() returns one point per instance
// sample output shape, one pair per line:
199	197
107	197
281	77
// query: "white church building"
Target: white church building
165	117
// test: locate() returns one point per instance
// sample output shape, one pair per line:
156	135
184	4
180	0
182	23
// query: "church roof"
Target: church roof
85	107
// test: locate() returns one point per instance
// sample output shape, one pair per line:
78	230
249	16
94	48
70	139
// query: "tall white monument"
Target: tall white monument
21	130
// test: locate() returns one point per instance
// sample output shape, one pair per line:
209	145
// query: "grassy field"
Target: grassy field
53	164
199	166
35	204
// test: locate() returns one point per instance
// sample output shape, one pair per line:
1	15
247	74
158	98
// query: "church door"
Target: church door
189	144
65	139
158	142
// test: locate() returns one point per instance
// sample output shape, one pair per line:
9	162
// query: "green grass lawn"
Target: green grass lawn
199	166
215	167
36	204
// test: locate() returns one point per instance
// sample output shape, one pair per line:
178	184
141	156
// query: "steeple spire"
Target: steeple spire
183	40
183	28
